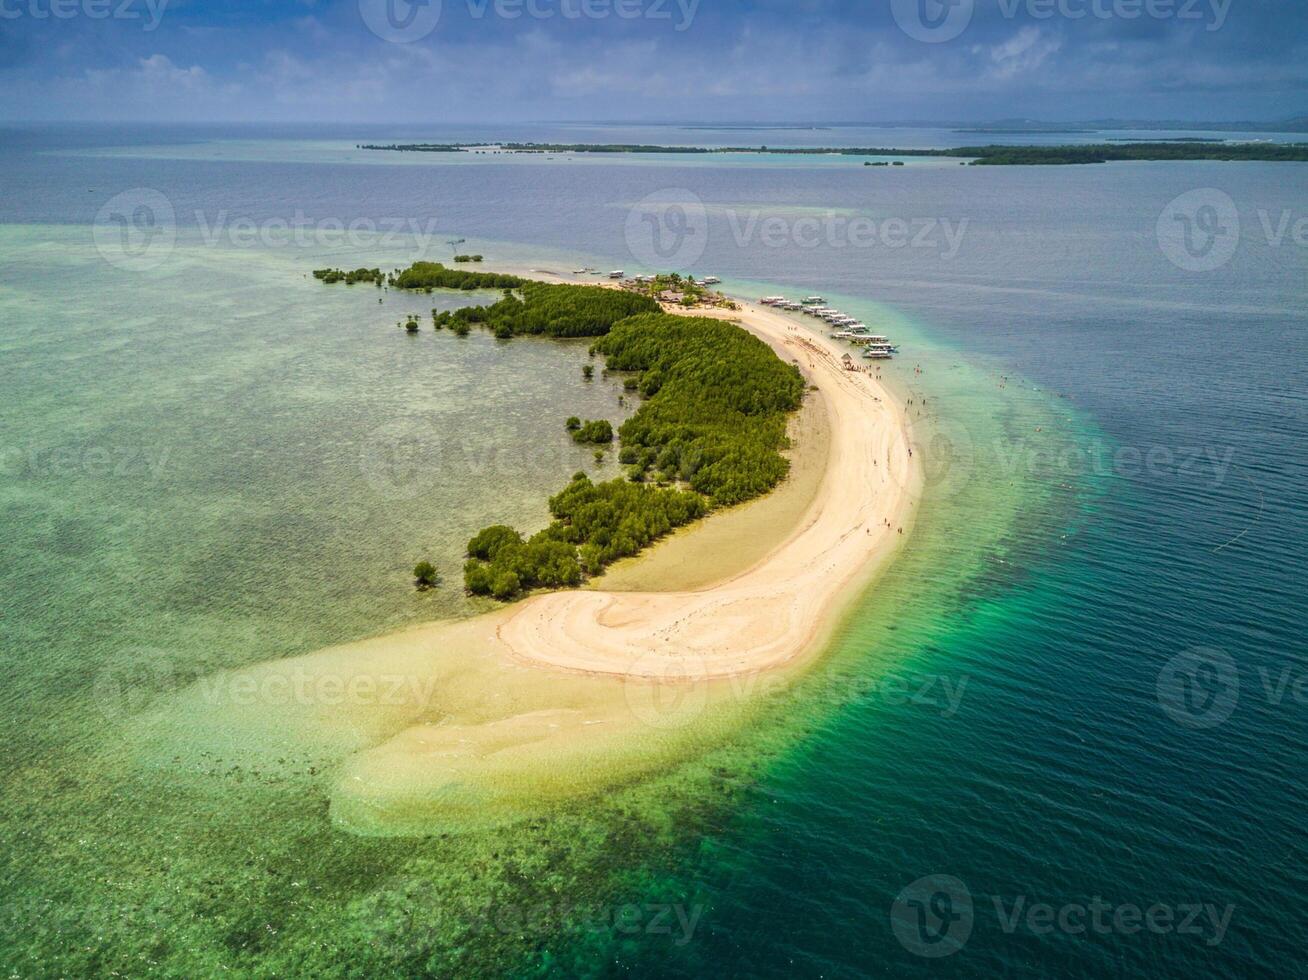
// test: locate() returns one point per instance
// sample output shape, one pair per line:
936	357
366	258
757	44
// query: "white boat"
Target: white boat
877	354
616	274
772	300
814	301
710	280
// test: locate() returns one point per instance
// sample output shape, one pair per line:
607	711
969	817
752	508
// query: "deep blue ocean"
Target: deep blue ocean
1119	787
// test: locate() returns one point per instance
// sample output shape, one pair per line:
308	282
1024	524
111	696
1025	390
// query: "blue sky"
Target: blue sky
772	60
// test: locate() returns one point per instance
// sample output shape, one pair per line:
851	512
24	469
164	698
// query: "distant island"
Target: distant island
1290	124
991	155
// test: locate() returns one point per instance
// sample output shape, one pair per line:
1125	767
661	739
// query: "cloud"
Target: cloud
1024	52
763	59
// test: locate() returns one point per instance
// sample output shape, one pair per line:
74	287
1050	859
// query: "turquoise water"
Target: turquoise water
216	462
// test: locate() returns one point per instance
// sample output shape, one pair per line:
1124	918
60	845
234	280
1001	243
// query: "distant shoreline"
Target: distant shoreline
990	155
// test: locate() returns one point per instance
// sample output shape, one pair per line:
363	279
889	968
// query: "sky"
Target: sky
652	60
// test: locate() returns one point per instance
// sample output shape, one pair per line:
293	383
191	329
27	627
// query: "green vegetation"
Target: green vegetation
709	433
553	310
1009	156
980	155
424	147
716	404
599	433
501	563
424	276
424	574
433	275
674	288
595	524
332	276
588	371
467	258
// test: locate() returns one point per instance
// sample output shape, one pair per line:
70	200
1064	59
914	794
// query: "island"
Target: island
556	695
990	155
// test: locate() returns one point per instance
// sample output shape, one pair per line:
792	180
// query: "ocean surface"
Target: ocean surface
1064	735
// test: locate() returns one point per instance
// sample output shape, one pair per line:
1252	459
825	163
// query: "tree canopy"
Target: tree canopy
709	433
553	310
